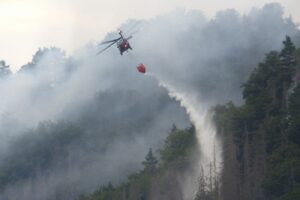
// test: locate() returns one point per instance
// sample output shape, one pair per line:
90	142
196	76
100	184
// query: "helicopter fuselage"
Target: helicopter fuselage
123	46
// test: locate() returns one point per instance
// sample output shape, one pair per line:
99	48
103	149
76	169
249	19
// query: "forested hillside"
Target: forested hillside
59	153
261	137
72	124
261	144
159	179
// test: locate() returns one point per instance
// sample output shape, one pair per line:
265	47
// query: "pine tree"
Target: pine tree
287	54
288	60
4	69
150	162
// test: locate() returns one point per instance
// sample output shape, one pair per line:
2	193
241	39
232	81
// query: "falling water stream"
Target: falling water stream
208	142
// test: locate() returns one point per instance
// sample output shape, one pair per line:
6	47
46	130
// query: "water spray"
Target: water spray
208	142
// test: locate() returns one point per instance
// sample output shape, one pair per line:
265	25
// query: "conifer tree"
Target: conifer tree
150	161
288	60
4	69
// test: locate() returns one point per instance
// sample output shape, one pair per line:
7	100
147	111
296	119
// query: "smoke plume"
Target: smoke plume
113	114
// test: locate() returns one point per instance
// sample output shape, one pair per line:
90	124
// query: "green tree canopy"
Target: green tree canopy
150	162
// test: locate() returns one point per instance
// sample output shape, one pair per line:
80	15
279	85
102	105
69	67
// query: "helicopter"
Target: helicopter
122	43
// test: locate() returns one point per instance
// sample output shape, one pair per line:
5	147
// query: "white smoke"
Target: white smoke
198	60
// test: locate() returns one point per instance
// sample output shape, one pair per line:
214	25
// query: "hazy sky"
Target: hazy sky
26	25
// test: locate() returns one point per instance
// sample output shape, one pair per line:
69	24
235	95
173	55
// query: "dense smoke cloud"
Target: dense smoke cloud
120	112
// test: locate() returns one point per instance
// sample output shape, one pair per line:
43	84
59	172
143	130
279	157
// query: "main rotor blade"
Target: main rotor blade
109	41
106	47
134	32
132	27
129	37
